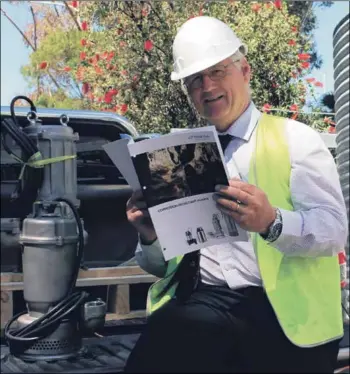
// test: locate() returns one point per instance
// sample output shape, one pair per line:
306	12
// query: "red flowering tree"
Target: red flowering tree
119	54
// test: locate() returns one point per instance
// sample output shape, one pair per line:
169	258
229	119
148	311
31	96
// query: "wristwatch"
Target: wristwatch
275	229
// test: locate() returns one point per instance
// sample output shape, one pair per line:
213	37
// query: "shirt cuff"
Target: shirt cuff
292	228
154	246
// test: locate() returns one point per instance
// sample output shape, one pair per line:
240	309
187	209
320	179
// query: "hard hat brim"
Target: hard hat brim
205	64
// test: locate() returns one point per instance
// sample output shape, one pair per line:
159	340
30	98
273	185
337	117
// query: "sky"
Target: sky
14	54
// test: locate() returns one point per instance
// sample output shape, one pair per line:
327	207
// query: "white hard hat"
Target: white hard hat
202	42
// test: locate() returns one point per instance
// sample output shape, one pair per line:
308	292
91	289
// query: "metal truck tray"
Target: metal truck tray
98	355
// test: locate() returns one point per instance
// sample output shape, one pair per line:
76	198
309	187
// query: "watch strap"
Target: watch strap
275	229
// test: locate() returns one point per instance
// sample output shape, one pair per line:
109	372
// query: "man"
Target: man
271	304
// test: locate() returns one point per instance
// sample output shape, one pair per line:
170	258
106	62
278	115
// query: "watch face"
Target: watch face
276	230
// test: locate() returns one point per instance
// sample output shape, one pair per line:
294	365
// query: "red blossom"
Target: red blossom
82	56
108	98
43	65
110	56
294	108
331	129
84	26
318	84
310	80
266	108
123	108
292	42
329	121
75	4
148	45
85	88
67	68
256	7
305	65
113	92
294	29
94	60
83	42
80	73
303	56
98	70
278	4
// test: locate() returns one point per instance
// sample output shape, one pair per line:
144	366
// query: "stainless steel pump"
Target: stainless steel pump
52	239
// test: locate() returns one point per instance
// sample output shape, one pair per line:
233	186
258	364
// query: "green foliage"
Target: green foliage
121	57
142	77
57	100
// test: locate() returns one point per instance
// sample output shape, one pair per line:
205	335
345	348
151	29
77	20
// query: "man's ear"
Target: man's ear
246	70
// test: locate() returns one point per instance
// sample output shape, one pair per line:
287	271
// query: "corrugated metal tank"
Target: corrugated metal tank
341	63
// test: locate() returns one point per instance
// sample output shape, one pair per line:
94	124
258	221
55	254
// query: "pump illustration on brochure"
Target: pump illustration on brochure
177	174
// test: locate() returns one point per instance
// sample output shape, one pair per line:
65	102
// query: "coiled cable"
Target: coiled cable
38	329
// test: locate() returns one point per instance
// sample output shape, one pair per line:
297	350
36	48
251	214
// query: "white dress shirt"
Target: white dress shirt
317	226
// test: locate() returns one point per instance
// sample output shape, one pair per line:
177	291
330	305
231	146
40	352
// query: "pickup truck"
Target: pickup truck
103	193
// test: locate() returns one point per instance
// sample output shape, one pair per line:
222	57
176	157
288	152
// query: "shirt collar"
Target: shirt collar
244	125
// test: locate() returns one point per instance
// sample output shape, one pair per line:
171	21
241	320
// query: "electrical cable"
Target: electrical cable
25	195
38	329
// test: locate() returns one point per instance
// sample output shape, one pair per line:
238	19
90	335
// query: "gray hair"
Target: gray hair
237	58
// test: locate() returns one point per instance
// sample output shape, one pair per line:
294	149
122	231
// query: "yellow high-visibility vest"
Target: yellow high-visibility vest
303	291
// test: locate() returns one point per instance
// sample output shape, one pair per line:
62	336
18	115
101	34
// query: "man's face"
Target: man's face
222	99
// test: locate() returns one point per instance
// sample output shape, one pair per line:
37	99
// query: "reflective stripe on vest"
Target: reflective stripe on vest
303	291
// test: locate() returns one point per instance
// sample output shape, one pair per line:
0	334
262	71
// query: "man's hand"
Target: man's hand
246	204
138	216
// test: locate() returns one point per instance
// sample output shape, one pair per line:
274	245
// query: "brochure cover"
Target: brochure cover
177	174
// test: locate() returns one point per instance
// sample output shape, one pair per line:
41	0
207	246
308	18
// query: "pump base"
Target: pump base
63	343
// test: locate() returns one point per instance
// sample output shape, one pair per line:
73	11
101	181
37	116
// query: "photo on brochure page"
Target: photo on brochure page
179	171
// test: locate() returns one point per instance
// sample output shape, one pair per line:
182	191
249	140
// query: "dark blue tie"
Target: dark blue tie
225	140
188	272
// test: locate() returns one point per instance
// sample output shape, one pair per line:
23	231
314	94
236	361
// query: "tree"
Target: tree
328	101
139	37
47	70
116	56
305	10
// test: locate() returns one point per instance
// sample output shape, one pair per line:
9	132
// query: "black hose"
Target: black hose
12	106
32	333
38	329
25	197
81	243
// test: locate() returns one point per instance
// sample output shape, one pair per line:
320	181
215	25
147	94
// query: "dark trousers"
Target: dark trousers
221	330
